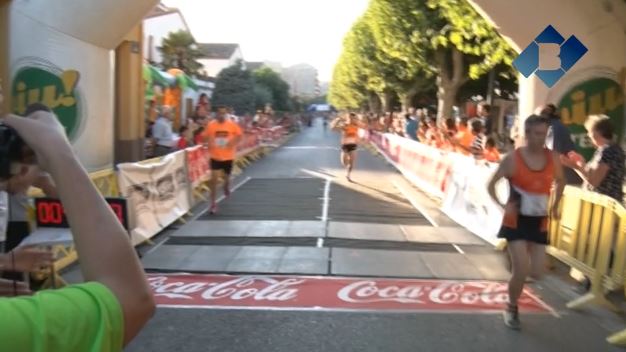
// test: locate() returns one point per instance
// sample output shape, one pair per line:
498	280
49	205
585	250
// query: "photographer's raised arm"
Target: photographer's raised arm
105	252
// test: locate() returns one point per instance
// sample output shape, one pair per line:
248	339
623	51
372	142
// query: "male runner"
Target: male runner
349	140
221	136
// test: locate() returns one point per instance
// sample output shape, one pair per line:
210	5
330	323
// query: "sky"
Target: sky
285	31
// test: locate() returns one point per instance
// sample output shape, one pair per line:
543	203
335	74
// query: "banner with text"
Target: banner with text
288	292
158	194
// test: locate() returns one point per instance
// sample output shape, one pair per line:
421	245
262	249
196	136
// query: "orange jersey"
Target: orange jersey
491	155
350	134
527	181
465	139
221	136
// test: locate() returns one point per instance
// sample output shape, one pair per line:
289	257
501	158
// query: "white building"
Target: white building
302	80
218	56
157	25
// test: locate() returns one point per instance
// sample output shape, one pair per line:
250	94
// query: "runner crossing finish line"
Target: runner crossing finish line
349	127
221	137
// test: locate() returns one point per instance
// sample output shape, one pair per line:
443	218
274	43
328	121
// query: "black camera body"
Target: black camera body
13	149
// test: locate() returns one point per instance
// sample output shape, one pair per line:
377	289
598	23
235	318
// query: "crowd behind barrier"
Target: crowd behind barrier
590	236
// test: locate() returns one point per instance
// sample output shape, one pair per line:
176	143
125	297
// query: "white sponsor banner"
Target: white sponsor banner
158	194
467	202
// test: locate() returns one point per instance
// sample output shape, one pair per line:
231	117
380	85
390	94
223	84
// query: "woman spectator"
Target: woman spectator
185	139
106	312
604	173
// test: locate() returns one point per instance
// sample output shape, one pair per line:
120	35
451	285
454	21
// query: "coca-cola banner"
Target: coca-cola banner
299	292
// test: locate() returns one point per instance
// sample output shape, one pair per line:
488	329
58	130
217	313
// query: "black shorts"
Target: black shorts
349	147
529	228
224	165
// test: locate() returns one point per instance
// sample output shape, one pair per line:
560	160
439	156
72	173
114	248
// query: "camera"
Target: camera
13	149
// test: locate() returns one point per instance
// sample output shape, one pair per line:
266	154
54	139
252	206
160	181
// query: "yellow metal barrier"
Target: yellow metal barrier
591	238
106	182
590	227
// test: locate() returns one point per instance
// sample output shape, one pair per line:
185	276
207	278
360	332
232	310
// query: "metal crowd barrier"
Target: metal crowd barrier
591	238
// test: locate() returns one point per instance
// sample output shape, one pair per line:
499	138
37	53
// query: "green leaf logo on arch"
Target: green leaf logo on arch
56	91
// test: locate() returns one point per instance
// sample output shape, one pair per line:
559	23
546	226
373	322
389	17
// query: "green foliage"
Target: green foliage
179	51
268	80
235	87
262	96
471	34
409	46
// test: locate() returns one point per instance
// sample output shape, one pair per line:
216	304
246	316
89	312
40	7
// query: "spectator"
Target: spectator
198	139
464	138
484	114
162	133
491	153
605	171
421	134
204	104
560	140
449	133
478	144
107	311
411	127
18	227
185	139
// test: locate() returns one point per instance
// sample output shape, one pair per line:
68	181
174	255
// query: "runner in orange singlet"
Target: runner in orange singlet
221	136
532	171
349	140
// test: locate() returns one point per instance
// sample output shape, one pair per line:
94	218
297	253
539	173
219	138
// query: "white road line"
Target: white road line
320	242
326	200
317	174
415	204
458	248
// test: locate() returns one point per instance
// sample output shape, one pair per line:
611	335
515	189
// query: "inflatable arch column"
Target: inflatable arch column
61	54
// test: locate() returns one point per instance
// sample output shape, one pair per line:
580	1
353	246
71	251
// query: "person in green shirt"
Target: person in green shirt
109	310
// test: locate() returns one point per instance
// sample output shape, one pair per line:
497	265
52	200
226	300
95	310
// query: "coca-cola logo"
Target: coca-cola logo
444	293
330	293
257	288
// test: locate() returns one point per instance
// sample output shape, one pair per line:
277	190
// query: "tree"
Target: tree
234	87
344	92
262	96
446	37
179	51
267	79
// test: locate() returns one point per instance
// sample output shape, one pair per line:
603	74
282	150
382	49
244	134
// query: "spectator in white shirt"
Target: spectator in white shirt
163	134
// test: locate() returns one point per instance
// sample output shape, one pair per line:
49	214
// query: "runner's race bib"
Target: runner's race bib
532	204
221	142
349	140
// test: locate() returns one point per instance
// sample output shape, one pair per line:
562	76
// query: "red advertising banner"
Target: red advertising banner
299	292
197	165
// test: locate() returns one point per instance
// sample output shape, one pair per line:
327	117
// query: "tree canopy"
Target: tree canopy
234	87
179	51
406	47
